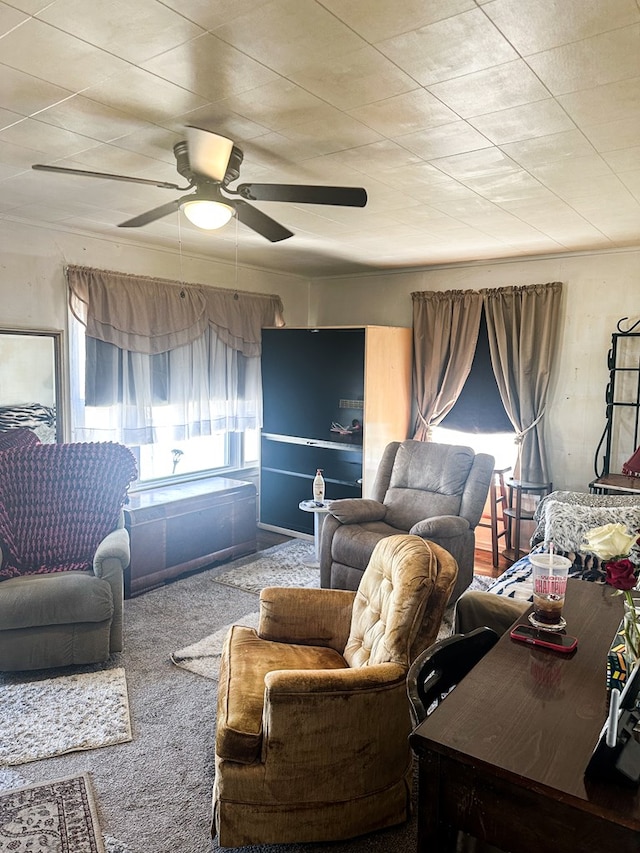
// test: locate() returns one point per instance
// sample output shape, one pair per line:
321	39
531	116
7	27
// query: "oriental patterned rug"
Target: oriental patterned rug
55	816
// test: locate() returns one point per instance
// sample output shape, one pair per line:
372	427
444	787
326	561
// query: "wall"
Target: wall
599	289
33	286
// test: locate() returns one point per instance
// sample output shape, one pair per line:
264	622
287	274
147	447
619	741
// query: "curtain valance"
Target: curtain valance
153	315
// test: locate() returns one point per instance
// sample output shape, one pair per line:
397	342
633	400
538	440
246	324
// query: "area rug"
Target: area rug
43	718
55	816
281	565
203	657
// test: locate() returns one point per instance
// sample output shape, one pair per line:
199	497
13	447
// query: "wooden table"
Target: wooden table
502	758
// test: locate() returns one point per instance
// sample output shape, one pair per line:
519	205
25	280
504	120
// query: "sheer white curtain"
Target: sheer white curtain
209	384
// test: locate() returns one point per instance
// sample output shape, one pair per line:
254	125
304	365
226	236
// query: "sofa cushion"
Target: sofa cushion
246	660
353	544
40	600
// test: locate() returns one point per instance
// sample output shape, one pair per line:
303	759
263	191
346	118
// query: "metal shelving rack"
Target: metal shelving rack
622	400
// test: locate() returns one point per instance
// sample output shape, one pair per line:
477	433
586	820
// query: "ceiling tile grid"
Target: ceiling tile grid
479	128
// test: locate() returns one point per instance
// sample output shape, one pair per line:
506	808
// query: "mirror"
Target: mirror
30	382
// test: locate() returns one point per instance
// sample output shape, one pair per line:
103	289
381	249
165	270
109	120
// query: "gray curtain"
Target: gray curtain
523	324
445	334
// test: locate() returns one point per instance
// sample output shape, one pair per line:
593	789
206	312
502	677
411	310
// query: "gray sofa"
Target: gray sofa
436	491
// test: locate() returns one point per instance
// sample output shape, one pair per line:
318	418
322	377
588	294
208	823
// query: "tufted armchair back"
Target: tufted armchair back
389	606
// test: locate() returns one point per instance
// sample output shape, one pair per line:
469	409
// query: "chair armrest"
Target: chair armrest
357	510
281	683
112	554
441	527
319	720
316	617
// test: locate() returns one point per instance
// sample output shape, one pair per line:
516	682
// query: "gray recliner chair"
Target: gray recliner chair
436	491
63	552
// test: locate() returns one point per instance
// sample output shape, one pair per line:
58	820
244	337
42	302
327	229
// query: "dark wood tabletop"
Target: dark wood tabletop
522	726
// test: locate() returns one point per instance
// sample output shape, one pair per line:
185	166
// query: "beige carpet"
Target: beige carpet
54	817
53	716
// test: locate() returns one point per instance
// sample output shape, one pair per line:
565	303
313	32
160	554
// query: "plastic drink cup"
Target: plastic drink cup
550	572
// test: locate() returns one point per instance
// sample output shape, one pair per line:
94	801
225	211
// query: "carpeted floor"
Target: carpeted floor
153	794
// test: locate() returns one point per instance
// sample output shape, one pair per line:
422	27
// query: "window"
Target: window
478	418
171	370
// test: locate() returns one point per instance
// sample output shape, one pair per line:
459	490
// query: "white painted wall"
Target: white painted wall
599	289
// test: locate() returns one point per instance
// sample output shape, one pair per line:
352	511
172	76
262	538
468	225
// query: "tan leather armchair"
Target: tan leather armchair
436	491
313	715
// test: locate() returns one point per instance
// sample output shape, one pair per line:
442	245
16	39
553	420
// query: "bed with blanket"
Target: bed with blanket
564	518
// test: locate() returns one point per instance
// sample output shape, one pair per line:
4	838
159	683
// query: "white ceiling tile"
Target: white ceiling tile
477	164
286	34
624	160
548	149
352	79
31	7
144	95
508	186
50	54
10	18
89	118
210	68
7	118
407	113
596	61
544	24
541	118
54	142
631	180
451	48
303	89
211	15
26	95
342	132
277	105
132	31
608	103
624	133
444	140
380	19
508	85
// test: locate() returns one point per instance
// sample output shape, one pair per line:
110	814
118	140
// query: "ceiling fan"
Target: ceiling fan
209	163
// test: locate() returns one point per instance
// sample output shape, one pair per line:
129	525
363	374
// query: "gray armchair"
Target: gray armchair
63	552
436	491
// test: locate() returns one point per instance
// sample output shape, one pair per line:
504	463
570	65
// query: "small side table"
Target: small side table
319	511
517	514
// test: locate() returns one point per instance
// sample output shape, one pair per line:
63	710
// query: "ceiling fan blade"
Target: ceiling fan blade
209	153
87	174
152	215
261	223
343	196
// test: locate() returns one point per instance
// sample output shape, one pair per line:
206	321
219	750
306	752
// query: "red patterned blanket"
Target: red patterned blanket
57	503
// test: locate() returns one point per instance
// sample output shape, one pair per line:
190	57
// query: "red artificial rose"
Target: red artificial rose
621	574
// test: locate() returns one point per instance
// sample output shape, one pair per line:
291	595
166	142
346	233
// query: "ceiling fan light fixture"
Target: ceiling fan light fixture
207	214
